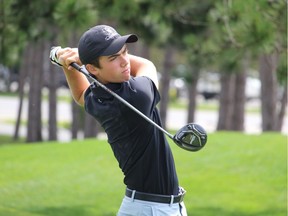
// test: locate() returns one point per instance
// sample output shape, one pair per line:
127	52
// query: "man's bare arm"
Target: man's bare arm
77	82
143	67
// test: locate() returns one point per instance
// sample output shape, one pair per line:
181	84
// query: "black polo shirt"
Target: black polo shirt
141	149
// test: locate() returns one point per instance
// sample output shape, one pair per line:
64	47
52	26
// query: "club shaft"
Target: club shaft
80	69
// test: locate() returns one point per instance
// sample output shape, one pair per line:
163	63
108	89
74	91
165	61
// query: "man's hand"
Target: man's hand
68	55
63	57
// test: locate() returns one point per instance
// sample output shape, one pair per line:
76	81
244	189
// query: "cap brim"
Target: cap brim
118	43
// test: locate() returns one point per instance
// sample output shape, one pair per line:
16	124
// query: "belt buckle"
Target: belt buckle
182	193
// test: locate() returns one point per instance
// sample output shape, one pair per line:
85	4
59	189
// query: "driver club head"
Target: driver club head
191	137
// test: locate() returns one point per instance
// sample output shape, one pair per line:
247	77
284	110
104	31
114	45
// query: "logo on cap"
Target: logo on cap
110	33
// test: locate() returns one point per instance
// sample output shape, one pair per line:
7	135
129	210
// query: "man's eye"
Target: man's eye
113	58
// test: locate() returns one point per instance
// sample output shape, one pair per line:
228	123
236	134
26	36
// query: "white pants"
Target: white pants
130	207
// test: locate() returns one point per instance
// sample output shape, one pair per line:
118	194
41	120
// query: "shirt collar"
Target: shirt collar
99	92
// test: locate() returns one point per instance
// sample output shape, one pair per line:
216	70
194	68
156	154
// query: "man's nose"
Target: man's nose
124	60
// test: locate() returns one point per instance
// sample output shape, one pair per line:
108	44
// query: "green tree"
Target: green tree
39	27
30	22
167	23
282	79
254	28
191	27
73	17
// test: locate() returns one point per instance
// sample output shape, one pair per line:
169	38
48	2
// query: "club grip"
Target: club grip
53	55
76	66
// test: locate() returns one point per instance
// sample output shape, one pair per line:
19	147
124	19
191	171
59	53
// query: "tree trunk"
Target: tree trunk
165	82
238	114
192	94
238	118
23	72
52	85
34	109
145	52
226	102
51	75
267	70
76	120
282	110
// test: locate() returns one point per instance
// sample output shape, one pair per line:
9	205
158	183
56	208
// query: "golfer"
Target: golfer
142	151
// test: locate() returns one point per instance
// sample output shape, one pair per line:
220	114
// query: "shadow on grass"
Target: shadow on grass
225	212
73	211
94	211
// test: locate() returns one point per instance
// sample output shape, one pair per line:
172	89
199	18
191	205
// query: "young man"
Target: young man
141	149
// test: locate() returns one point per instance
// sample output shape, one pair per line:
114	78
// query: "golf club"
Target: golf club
191	137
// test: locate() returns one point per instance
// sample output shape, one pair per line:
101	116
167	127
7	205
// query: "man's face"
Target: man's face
114	68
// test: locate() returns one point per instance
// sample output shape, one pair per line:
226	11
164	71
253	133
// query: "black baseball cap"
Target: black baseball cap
101	40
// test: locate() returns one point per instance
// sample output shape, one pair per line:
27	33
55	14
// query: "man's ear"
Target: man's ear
92	69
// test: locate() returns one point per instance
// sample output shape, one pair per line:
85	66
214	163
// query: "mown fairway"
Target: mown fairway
234	174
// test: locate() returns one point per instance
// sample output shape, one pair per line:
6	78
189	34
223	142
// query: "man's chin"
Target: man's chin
126	78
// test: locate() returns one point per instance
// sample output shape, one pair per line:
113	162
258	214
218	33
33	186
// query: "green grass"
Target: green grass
5	139
234	174
60	124
208	106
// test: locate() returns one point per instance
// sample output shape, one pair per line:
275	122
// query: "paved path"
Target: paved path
175	119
